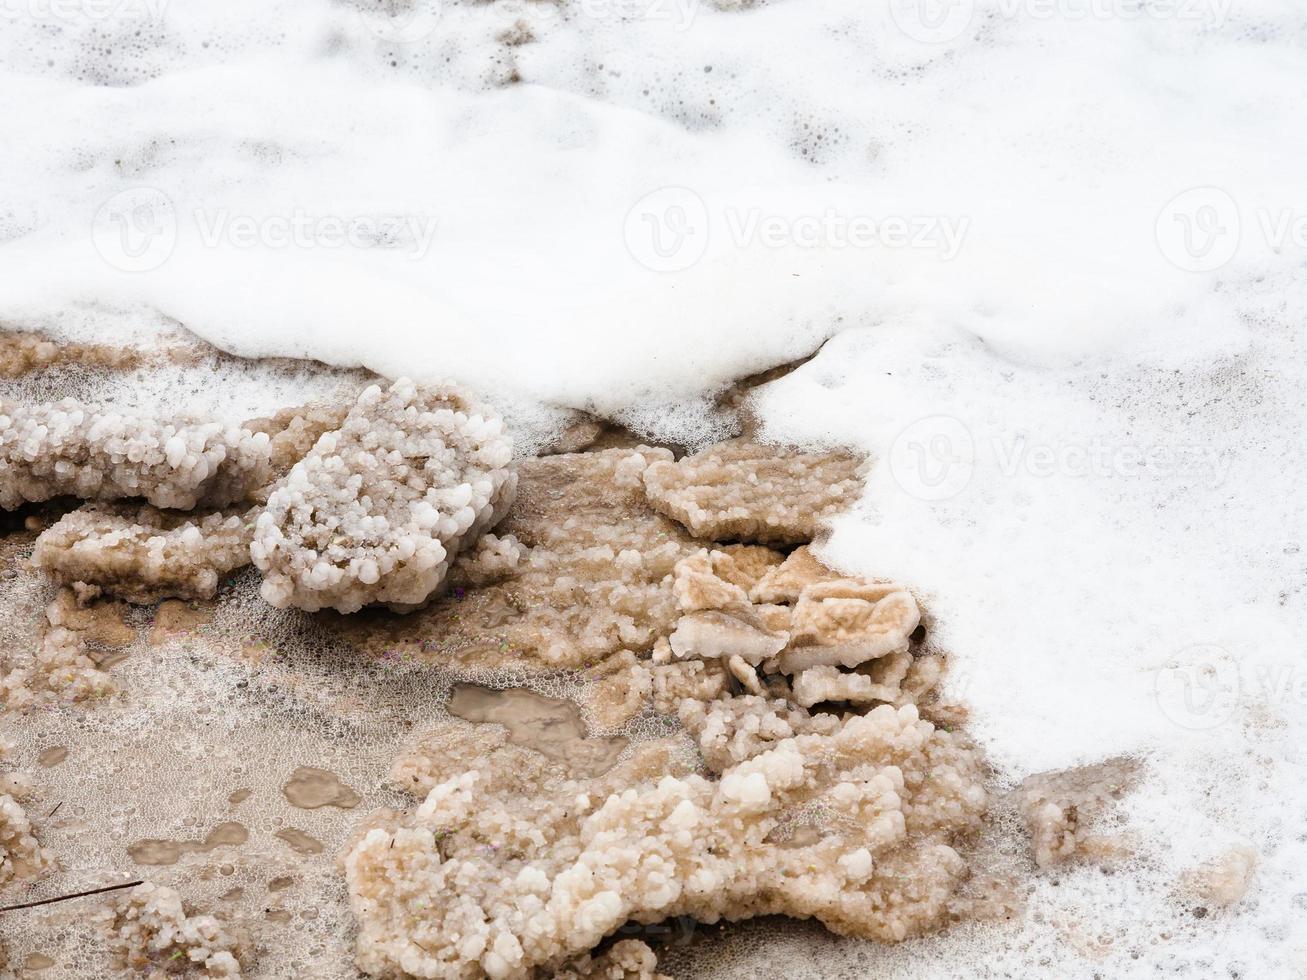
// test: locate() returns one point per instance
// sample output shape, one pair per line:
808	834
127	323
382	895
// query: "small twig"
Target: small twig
64	898
55	810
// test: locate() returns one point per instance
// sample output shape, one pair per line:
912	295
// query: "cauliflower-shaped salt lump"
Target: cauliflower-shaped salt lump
68	449
153	936
378	509
21	854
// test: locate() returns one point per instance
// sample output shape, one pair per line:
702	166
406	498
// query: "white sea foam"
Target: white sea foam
1056	244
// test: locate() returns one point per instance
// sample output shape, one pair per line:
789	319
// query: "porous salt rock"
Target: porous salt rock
622	687
1222	881
152	935
143	554
69	449
21	353
698	680
1061	808
595	576
698	585
785	582
377	510
59	669
847	622
746	491
21	854
509	885
732	729
881	682
491	559
292	432
717	634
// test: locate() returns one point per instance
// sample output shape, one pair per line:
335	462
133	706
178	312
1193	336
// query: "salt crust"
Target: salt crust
143	554
21	854
59	669
786	499
814	625
21	353
513	865
1061	808
151	933
69	449
378	509
481	879
593	577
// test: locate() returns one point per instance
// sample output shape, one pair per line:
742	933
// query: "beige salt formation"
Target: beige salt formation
21	855
1063	810
291	433
143	554
61	667
480	878
1221	882
836	638
785	499
22	353
69	449
592	576
513	865
377	510
152	935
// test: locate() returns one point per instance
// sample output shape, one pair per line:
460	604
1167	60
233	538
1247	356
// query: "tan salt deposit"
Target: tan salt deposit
144	554
1063	810
70	449
21	855
1222	881
594	578
785	500
152	935
524	867
59	667
547	821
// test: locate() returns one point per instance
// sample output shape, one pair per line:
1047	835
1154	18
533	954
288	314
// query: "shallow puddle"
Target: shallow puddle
551	726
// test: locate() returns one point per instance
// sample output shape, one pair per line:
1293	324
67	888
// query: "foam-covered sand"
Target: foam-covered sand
1082	390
